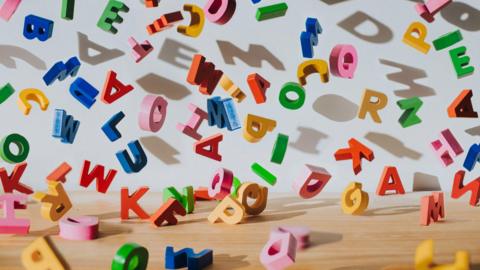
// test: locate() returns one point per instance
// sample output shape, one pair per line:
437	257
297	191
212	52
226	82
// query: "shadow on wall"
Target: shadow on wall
335	108
159	85
172	50
392	145
474	131
407	76
308	140
160	149
253	57
102	54
383	34
425	182
462	15
9	53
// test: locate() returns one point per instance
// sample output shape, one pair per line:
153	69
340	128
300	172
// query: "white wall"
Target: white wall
324	124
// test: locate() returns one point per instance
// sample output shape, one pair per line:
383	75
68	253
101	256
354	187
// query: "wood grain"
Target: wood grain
386	236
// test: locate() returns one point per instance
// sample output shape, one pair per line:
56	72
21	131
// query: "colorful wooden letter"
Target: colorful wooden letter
301	234
60	173
68	9
311	182
164	22
84	92
229	211
110	127
271	11
279	252
153	113
65	127
197	20
462	106
5	92
139	50
447	40
356	152
187	258
41	254
354	199
78	228
417	41
432	207
167	213
343	61
204	74
98	174
12	183
139	160
446	146
8	8
385	185
9	224
61	71
424	259
253	190
429	9
312	66
37	27
279	148
130	202
372	107
110	16
221	184
232	89
258	85
264	173
193	124
130	254
461	62
220	11
411	107
212	143
459	189
187	198
32	94
113	83
309	38
55	203
256	127
222	113
23	148
473	156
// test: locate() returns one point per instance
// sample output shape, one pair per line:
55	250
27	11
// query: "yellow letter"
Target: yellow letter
417	42
372	107
54	205
354	200
256	127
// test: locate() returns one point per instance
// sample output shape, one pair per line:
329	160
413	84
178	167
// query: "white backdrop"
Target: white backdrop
323	125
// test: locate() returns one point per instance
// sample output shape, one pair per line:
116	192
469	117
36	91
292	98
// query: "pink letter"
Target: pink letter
79	228
220	11
9	7
343	61
9	224
152	113
279	252
221	184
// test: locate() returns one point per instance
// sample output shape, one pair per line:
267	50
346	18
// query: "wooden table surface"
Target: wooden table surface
386	235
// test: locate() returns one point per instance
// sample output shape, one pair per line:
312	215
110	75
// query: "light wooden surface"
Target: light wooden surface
386	235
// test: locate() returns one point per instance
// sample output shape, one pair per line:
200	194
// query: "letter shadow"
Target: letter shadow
225	261
322	238
350	24
335	108
308	140
392	210
103	54
107	229
172	51
392	145
266	217
8	54
333	2
474	131
407	76
462	15
425	182
253	57
159	85
160	149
